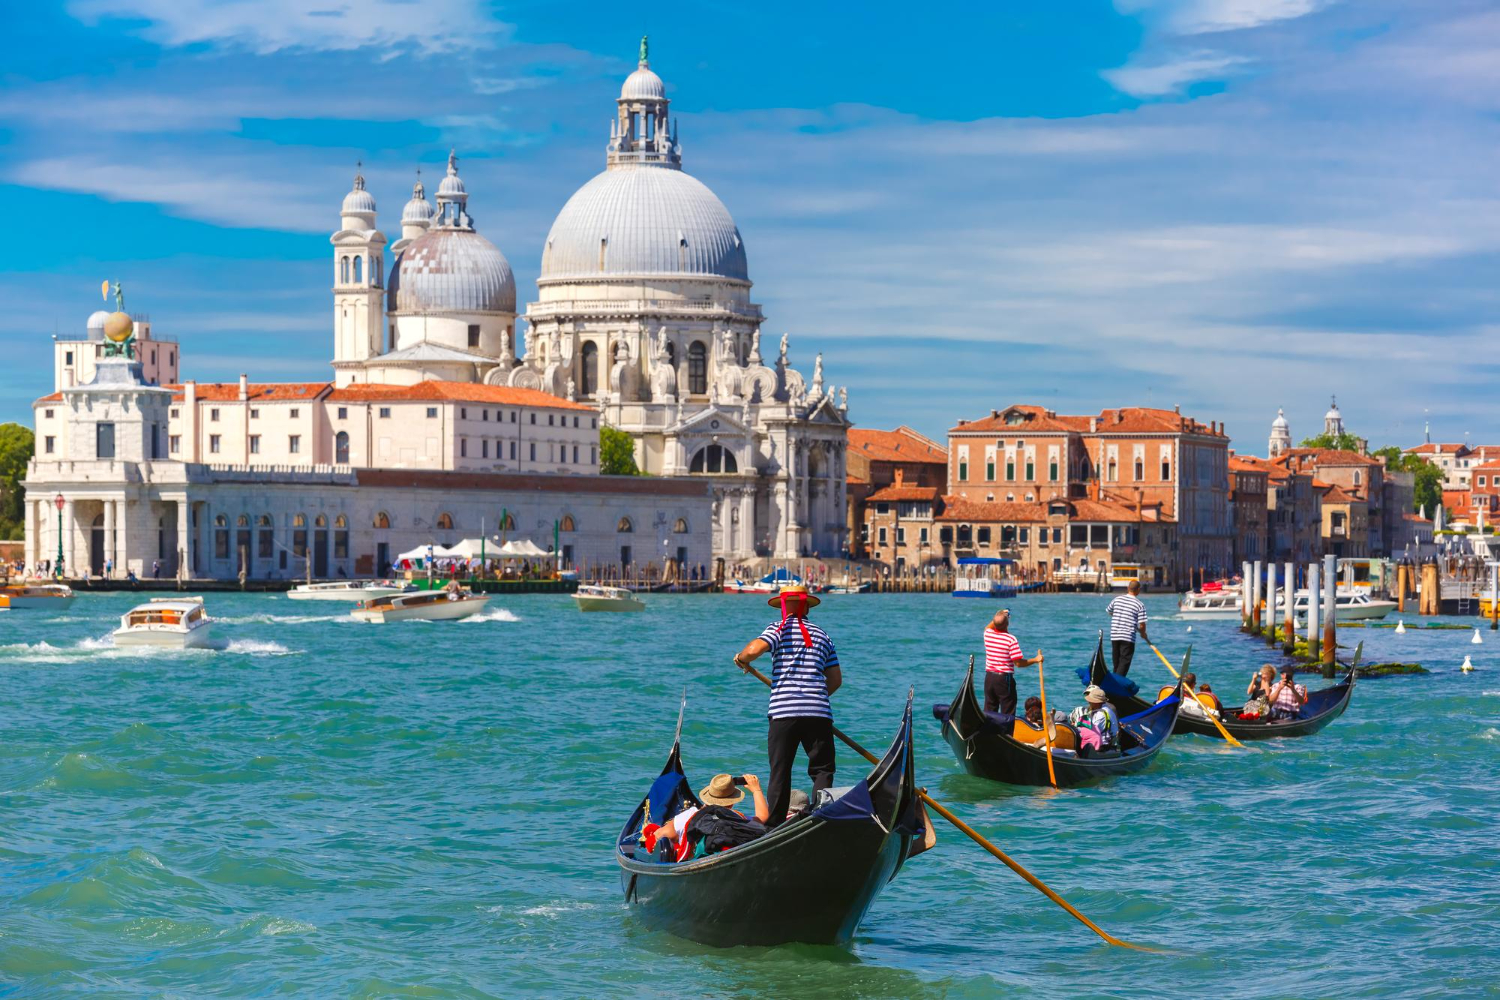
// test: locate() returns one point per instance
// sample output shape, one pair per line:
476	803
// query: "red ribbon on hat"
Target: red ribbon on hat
806	635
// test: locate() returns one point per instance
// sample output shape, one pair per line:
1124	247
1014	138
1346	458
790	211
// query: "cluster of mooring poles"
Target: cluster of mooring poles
1258	604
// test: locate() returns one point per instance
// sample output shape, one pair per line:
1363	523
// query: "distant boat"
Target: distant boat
425	605
771	583
1213	601
36	596
346	590
165	621
1348	606
981	576
591	597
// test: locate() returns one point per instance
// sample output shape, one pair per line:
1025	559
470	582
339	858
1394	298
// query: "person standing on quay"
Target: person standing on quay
1002	654
804	673
1127	618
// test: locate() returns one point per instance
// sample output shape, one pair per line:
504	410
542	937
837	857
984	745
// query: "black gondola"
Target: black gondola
1322	706
986	746
810	880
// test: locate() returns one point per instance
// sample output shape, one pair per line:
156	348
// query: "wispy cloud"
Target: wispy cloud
1173	76
1196	17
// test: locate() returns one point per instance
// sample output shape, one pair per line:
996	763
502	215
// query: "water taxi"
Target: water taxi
771	583
346	590
426	605
597	598
1213	601
177	622
981	576
36	596
1348	606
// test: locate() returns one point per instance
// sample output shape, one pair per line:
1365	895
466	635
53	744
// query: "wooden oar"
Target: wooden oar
1206	709
974	835
1046	721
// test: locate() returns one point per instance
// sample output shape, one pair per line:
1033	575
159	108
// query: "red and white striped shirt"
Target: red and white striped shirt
1001	652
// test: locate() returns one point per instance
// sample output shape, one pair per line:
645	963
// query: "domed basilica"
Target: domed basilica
643	311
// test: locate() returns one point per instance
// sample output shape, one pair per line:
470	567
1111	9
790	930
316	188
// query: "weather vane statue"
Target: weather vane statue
643	50
119	328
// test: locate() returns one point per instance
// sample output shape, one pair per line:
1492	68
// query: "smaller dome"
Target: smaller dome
1280	420
96	325
452	187
418	210
1333	411
359	201
643	85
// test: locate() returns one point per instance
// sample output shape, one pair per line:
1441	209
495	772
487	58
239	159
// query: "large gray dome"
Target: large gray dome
653	220
451	270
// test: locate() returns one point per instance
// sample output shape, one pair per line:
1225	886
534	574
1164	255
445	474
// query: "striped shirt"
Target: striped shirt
1001	652
799	672
1126	613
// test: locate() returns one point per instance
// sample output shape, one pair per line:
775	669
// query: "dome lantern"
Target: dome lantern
359	205
642	133
453	198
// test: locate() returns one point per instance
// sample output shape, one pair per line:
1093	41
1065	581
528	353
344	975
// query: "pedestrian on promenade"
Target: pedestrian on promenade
1127	618
156	567
109	567
1002	654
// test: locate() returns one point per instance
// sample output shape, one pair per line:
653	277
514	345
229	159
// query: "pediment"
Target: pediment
827	414
712	420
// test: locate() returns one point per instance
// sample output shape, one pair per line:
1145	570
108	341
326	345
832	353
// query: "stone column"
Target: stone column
183	558
109	532
69	529
33	525
121	537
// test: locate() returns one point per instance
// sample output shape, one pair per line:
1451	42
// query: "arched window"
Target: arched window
221	537
566	524
508	523
1140	470
714	459
590	380
671	354
340	537
681	526
341	522
242	521
299	535
697	368
624	525
341	448
445	521
264	520
358	264
382	520
344	270
321	521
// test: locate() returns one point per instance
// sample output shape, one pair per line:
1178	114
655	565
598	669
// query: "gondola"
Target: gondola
810	880
1003	748
1322	706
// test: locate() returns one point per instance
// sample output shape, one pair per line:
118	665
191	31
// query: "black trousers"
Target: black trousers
815	735
999	693
1123	651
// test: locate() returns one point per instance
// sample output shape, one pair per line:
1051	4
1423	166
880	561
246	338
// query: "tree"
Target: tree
616	452
1428	491
1339	442
17	445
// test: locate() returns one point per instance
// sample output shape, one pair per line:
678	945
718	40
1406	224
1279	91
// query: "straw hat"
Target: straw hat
721	791
795	592
1094	694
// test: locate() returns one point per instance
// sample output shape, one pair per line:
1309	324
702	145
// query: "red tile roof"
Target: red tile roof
458	392
894	493
1331	457
1036	420
1106	510
1432	448
1145	420
1336	494
900	445
53	397
1121	420
227	392
956	508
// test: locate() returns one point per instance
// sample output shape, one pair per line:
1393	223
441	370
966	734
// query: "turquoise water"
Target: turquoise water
427	809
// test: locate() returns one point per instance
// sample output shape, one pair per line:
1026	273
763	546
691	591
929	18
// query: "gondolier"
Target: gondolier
805	672
1127	619
1002	654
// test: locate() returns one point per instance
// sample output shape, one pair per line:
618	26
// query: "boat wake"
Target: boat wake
265	619
251	647
492	615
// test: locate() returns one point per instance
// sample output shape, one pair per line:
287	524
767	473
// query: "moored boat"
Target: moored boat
591	597
423	605
1214	600
771	583
178	622
1323	706
810	880
36	596
346	590
1008	749
1348	606
980	576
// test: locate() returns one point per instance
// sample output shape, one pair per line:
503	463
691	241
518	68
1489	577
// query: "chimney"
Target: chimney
1177	409
189	393
900	475
244	387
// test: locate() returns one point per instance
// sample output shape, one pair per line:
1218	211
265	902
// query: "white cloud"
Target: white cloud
1195	17
265	26
1172	76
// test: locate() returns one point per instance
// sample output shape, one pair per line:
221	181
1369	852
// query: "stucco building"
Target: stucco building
877	459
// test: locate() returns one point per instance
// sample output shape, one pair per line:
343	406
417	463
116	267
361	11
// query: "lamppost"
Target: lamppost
59	502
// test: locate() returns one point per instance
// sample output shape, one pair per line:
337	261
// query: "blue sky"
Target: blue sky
1228	205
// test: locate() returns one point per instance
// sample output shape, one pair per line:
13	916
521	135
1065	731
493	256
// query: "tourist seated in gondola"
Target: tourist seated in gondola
1097	722
722	791
1209	700
1034	712
1287	697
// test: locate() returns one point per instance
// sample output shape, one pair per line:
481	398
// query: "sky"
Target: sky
1232	206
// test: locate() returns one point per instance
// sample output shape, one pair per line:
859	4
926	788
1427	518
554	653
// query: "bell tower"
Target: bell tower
358	265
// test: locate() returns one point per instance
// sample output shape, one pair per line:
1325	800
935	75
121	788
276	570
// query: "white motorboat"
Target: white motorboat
848	586
979	576
36	596
771	583
596	598
1348	606
177	622
347	590
425	605
1222	602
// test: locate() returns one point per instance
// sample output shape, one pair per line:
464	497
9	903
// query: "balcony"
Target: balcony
647	307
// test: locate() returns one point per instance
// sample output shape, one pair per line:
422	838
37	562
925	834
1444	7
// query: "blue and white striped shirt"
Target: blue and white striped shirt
1126	613
799	672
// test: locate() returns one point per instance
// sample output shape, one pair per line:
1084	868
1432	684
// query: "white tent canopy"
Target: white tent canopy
469	549
422	552
522	548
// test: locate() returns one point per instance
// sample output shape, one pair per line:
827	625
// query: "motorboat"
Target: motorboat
1213	601
1348	606
36	596
848	586
772	583
424	605
598	598
981	576
176	622
347	590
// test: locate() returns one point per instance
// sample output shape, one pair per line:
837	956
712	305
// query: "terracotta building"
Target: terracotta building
1249	482
875	459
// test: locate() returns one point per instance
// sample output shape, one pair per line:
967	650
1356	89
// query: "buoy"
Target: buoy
1401	628
1467	667
1190	628
1476	640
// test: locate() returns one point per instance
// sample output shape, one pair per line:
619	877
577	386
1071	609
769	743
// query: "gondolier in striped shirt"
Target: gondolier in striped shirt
1002	654
804	672
1127	619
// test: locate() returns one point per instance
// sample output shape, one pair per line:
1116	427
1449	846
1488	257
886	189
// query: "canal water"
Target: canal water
325	808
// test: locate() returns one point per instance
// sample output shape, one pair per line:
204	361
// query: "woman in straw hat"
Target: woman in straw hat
804	672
